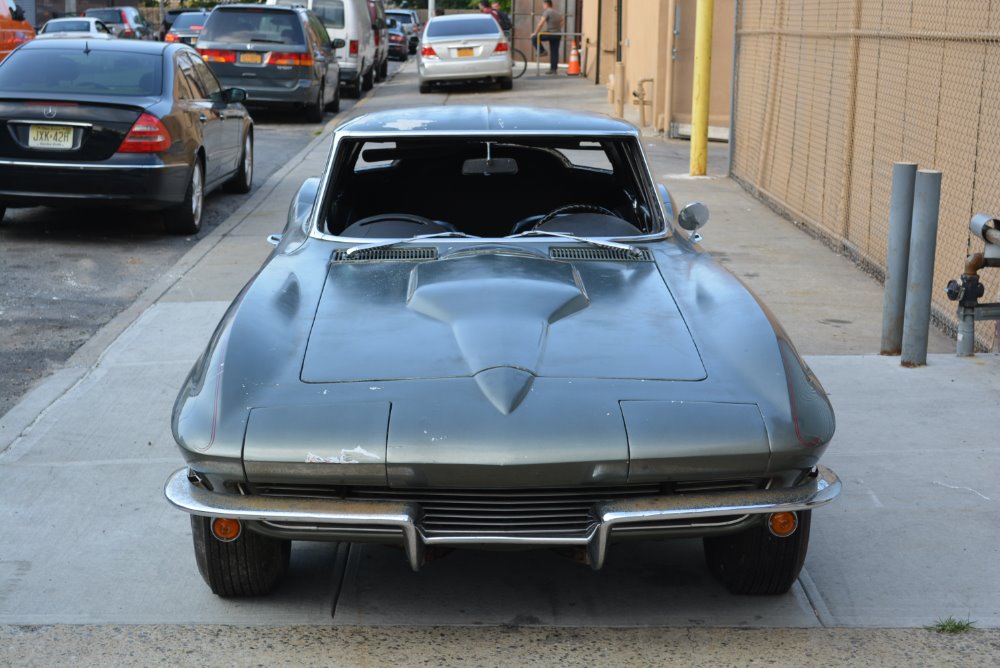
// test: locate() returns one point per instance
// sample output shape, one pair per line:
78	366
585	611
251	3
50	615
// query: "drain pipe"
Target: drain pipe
639	98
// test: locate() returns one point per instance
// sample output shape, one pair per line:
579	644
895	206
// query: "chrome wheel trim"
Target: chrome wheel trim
197	193
248	161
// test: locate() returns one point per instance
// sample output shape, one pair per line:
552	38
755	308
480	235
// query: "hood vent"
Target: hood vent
383	254
599	254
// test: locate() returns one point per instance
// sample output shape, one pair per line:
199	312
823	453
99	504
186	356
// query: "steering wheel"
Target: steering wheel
404	217
576	208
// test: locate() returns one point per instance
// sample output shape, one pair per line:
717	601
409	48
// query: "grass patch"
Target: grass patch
951	625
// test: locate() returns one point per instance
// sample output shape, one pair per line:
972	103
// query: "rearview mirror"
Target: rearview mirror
489	166
338	43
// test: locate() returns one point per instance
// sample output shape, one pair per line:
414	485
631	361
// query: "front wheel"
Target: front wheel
186	218
368	79
756	562
425	88
335	105
383	70
242	180
314	111
250	565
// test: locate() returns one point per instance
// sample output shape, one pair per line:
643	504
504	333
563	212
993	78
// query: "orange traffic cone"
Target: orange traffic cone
573	67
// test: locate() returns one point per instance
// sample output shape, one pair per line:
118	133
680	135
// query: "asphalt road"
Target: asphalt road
64	273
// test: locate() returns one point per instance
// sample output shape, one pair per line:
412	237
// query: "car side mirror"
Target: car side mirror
296	227
339	43
17	13
234	95
693	217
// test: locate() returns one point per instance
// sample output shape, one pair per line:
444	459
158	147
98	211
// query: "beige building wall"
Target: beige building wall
830	93
650	31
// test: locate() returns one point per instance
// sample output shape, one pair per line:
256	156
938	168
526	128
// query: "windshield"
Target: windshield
190	21
66	26
330	12
461	27
106	15
74	71
402	17
578	187
253	25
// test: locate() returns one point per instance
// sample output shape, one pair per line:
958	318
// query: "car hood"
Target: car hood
503	318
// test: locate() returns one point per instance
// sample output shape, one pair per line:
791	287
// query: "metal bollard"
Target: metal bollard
920	269
900	219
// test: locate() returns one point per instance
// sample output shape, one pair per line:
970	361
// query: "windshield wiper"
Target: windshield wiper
631	250
392	242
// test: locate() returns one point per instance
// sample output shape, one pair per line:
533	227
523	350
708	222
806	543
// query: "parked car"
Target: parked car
187	27
424	363
376	11
143	125
75	26
463	48
170	16
409	21
14	29
125	22
349	20
280	54
398	41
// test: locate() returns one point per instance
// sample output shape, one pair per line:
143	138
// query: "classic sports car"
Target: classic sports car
483	328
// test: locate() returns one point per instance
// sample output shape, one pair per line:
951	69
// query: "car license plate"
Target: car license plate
466	51
50	136
254	58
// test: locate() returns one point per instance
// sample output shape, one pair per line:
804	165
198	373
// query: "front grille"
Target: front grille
559	512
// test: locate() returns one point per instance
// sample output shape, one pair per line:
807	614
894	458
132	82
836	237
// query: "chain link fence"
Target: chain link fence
830	93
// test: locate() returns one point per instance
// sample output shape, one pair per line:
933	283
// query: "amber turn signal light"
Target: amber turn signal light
782	525
226	530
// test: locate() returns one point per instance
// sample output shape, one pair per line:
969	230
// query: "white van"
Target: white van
350	21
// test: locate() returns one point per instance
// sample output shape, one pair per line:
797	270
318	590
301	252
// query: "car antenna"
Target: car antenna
86	48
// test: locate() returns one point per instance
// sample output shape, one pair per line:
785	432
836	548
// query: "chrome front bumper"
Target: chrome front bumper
821	487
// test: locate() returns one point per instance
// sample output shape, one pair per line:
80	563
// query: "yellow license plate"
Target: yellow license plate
466	51
50	136
254	58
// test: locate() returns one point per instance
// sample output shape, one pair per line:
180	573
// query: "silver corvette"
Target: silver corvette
489	328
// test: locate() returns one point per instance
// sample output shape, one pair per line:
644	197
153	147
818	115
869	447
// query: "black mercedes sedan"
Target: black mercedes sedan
145	125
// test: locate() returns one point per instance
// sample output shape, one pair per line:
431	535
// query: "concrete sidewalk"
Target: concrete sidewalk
87	538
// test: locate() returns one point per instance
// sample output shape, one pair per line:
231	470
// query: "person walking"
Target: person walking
552	21
503	17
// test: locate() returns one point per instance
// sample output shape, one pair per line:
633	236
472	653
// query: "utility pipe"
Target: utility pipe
701	87
920	269
619	89
668	79
900	218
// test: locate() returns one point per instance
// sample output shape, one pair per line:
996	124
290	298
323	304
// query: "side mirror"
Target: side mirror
296	231
693	217
234	95
339	43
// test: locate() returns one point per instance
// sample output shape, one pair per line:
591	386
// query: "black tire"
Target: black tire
186	218
368	79
242	180
3	212
251	565
757	563
383	70
506	83
353	89
314	111
334	106
425	88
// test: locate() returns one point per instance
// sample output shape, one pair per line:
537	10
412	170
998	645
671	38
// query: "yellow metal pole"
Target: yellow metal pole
702	82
